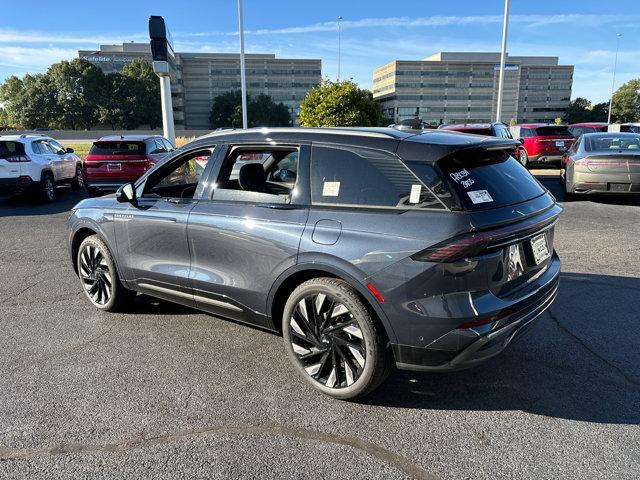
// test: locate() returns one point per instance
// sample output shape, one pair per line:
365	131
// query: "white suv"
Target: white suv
37	164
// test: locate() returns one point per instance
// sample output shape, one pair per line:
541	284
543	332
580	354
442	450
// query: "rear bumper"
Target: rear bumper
100	186
465	348
10	186
593	182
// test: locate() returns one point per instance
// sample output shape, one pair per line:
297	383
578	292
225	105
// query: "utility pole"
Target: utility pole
613	80
503	55
339	44
243	79
162	53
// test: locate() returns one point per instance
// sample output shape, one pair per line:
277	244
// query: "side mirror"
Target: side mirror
69	150
126	193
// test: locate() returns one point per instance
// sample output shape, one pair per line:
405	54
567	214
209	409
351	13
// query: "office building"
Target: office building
457	87
197	78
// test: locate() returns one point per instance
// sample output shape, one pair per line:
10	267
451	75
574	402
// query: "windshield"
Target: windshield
594	143
117	148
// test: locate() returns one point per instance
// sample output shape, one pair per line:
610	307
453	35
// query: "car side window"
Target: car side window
180	178
167	145
361	177
35	146
255	174
56	147
42	147
155	146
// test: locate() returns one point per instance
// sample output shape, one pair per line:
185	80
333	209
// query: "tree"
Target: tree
261	111
582	110
340	104
626	102
115	110
144	93
224	108
10	94
79	86
29	102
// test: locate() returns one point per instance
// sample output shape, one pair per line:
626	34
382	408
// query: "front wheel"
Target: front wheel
332	339
99	278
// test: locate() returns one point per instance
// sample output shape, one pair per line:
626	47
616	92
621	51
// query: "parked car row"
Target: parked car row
36	164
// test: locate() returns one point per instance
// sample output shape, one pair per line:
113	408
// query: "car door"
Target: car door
247	232
151	232
42	148
67	160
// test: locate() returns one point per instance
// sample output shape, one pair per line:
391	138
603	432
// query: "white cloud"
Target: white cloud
34	58
19	36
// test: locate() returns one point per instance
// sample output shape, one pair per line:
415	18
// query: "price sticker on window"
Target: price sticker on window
414	196
331	189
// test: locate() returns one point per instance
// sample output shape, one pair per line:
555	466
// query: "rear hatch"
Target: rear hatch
512	218
121	160
552	139
12	156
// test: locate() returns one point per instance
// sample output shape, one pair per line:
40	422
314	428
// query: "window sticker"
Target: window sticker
467	182
331	189
414	196
480	196
460	175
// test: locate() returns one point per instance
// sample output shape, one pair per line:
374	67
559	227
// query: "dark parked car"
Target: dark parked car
364	247
602	163
542	143
117	159
496	129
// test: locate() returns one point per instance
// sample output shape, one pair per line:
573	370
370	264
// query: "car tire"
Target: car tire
47	188
99	277
523	158
333	340
78	180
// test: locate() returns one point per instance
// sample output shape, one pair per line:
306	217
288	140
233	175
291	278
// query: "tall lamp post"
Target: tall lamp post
339	44
613	80
503	55
243	79
162	54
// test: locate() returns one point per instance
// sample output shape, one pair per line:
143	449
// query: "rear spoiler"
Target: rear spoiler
486	151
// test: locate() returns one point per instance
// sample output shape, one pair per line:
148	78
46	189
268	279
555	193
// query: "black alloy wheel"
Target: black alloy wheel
97	280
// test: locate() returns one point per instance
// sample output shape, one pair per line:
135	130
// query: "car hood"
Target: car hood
105	201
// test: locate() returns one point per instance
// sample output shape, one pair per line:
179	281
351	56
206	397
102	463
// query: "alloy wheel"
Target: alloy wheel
327	341
49	188
523	158
79	178
95	275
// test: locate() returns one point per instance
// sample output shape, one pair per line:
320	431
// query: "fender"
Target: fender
336	267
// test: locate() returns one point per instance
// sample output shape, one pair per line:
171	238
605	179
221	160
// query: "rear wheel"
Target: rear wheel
78	180
332	339
523	157
99	278
47	190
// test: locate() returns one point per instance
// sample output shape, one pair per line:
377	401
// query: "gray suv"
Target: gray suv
364	248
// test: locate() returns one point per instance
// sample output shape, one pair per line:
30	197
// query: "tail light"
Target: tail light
475	243
18	158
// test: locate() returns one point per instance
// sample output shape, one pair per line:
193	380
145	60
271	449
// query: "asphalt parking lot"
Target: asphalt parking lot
165	391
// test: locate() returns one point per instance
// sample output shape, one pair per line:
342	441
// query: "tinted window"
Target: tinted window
117	148
552	130
482	184
167	144
526	132
478	131
365	178
612	142
8	149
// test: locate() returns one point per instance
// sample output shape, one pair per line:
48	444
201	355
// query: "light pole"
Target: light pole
613	80
243	79
339	44
503	55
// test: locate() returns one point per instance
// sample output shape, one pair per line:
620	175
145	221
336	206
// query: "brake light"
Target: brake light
18	158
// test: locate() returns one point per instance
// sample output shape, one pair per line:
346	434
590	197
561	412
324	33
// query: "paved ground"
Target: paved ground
169	392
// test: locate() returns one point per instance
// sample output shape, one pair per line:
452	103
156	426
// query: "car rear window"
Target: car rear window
477	131
490	182
8	149
117	148
594	143
553	130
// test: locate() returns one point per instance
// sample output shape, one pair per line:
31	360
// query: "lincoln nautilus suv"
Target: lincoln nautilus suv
366	249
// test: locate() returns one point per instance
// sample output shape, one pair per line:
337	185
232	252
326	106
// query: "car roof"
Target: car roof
611	134
383	138
466	126
534	125
25	137
139	138
589	124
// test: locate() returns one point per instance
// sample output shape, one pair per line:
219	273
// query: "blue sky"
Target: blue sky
34	34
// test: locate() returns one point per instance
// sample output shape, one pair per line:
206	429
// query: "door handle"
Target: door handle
278	206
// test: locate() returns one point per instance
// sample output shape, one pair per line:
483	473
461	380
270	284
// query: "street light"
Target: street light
243	79
613	80
339	44
503	55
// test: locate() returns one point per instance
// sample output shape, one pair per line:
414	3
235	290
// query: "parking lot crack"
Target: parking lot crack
586	346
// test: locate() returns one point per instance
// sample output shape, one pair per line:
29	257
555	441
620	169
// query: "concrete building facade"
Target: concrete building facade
197	78
459	87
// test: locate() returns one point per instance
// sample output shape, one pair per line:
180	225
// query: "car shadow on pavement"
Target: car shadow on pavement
25	205
580	362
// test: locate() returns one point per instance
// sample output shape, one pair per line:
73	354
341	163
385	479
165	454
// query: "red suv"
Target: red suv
541	142
116	160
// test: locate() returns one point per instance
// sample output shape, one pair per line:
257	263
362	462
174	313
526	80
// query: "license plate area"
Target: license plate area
540	248
114	167
560	144
619	187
